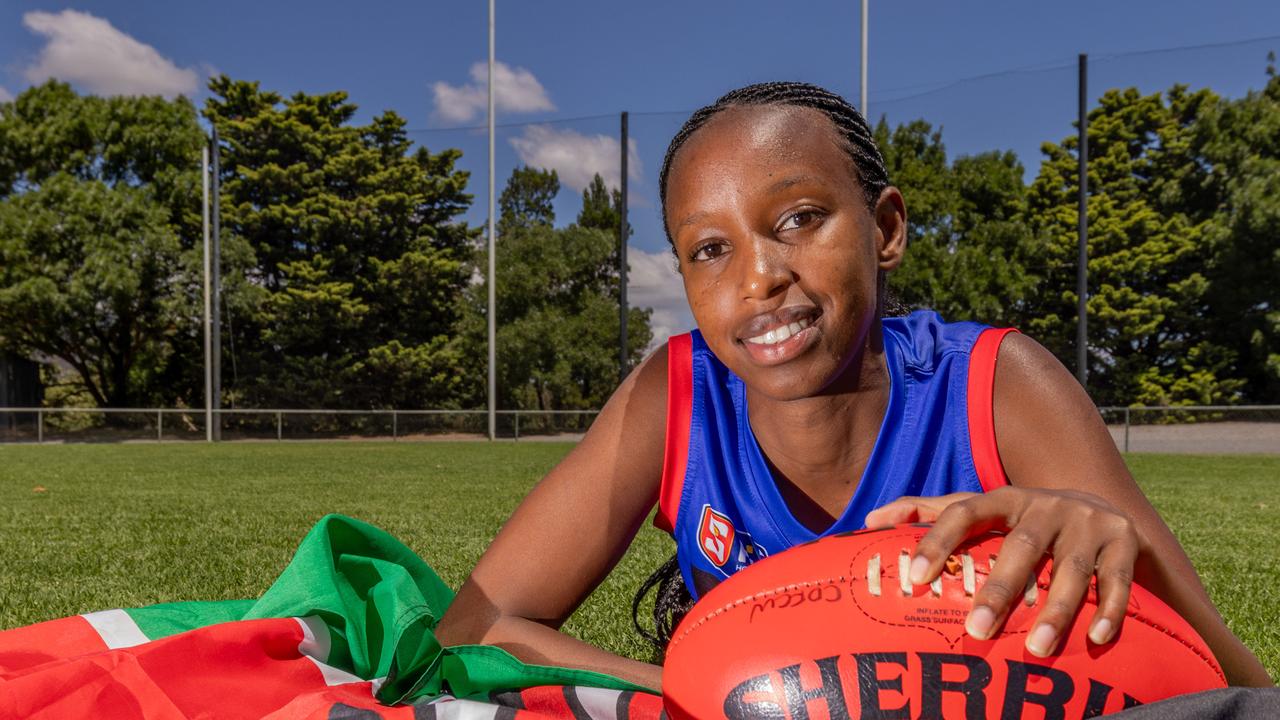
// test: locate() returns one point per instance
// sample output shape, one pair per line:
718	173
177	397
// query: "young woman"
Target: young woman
795	411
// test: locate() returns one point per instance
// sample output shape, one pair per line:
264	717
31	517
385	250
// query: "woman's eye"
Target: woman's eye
710	251
798	219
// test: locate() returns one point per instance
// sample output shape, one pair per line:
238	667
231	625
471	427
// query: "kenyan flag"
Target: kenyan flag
345	632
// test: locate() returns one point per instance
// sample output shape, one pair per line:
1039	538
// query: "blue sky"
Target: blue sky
994	75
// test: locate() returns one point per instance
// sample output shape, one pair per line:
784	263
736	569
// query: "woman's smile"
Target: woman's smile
781	336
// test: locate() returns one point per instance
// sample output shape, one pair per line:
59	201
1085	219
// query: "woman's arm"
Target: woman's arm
1050	436
1072	497
566	536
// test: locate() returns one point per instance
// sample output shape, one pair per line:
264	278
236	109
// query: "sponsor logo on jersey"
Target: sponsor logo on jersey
724	546
715	536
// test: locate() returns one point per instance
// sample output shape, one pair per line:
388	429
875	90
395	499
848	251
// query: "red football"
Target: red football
828	630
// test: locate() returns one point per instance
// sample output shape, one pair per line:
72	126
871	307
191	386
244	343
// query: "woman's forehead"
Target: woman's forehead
762	138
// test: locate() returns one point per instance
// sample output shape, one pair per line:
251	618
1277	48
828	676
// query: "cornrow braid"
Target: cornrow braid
852	126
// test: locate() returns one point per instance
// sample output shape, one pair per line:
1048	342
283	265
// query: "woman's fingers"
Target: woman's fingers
956	523
1074	559
1021	553
1115	578
913	509
1086	537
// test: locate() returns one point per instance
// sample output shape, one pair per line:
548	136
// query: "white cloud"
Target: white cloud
653	282
515	90
577	157
5	95
90	52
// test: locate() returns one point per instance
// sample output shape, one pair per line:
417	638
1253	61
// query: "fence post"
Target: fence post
39	426
279	426
517	416
159	426
1126	429
395	430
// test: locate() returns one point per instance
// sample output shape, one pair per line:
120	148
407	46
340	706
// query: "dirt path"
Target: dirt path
1227	438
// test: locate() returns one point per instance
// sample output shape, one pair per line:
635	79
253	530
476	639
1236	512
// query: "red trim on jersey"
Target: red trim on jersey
679	416
981	396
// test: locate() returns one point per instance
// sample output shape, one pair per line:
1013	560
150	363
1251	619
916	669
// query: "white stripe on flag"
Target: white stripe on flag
315	637
116	628
315	647
464	710
600	704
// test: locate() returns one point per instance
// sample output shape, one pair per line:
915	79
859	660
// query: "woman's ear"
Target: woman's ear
891	228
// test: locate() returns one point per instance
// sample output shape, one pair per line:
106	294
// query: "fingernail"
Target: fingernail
919	570
1041	640
1100	632
980	623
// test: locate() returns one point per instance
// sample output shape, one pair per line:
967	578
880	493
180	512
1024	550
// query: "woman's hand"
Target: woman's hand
1085	535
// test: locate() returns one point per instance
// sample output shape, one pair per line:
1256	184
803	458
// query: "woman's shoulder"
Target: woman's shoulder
650	376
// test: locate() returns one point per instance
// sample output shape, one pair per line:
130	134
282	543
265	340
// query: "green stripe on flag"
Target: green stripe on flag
158	621
381	603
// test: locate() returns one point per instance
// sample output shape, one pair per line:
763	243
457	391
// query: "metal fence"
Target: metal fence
1225	429
1229	429
40	425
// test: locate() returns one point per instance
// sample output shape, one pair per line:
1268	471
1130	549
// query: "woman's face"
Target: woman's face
779	254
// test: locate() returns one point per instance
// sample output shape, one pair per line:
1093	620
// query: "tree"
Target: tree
1149	327
353	253
99	229
601	207
557	306
969	246
1240	144
527	198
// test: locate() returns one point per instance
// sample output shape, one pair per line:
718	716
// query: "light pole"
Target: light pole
493	320
863	105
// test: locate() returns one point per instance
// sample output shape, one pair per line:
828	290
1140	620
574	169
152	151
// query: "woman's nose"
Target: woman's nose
765	271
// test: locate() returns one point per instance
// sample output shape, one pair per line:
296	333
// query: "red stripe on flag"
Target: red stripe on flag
333	701
27	647
242	669
546	700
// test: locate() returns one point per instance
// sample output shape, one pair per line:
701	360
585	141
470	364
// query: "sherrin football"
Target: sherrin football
831	629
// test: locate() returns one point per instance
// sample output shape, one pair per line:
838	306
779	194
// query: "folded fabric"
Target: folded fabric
346	631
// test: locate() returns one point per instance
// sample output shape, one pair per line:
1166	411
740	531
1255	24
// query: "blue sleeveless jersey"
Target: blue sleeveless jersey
720	501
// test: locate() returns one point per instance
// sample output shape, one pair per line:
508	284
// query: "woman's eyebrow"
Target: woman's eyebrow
691	219
791	181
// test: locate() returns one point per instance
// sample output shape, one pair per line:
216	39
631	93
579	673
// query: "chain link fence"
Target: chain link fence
1211	429
1199	429
105	425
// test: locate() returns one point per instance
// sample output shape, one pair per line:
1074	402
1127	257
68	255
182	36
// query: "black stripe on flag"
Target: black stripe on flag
575	705
509	698
343	711
623	711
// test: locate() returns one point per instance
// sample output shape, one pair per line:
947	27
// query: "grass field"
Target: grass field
130	525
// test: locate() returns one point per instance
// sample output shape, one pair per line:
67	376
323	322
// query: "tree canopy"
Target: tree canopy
347	253
99	221
557	301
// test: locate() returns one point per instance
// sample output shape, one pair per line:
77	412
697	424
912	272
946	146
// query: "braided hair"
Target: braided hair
849	123
673	600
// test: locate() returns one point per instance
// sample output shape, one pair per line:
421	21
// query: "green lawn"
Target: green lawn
129	525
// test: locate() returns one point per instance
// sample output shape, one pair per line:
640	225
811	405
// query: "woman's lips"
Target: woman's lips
783	342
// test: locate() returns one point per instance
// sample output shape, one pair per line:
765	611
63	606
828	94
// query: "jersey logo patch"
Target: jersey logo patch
715	536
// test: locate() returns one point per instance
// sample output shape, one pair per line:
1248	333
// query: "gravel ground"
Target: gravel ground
1219	438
